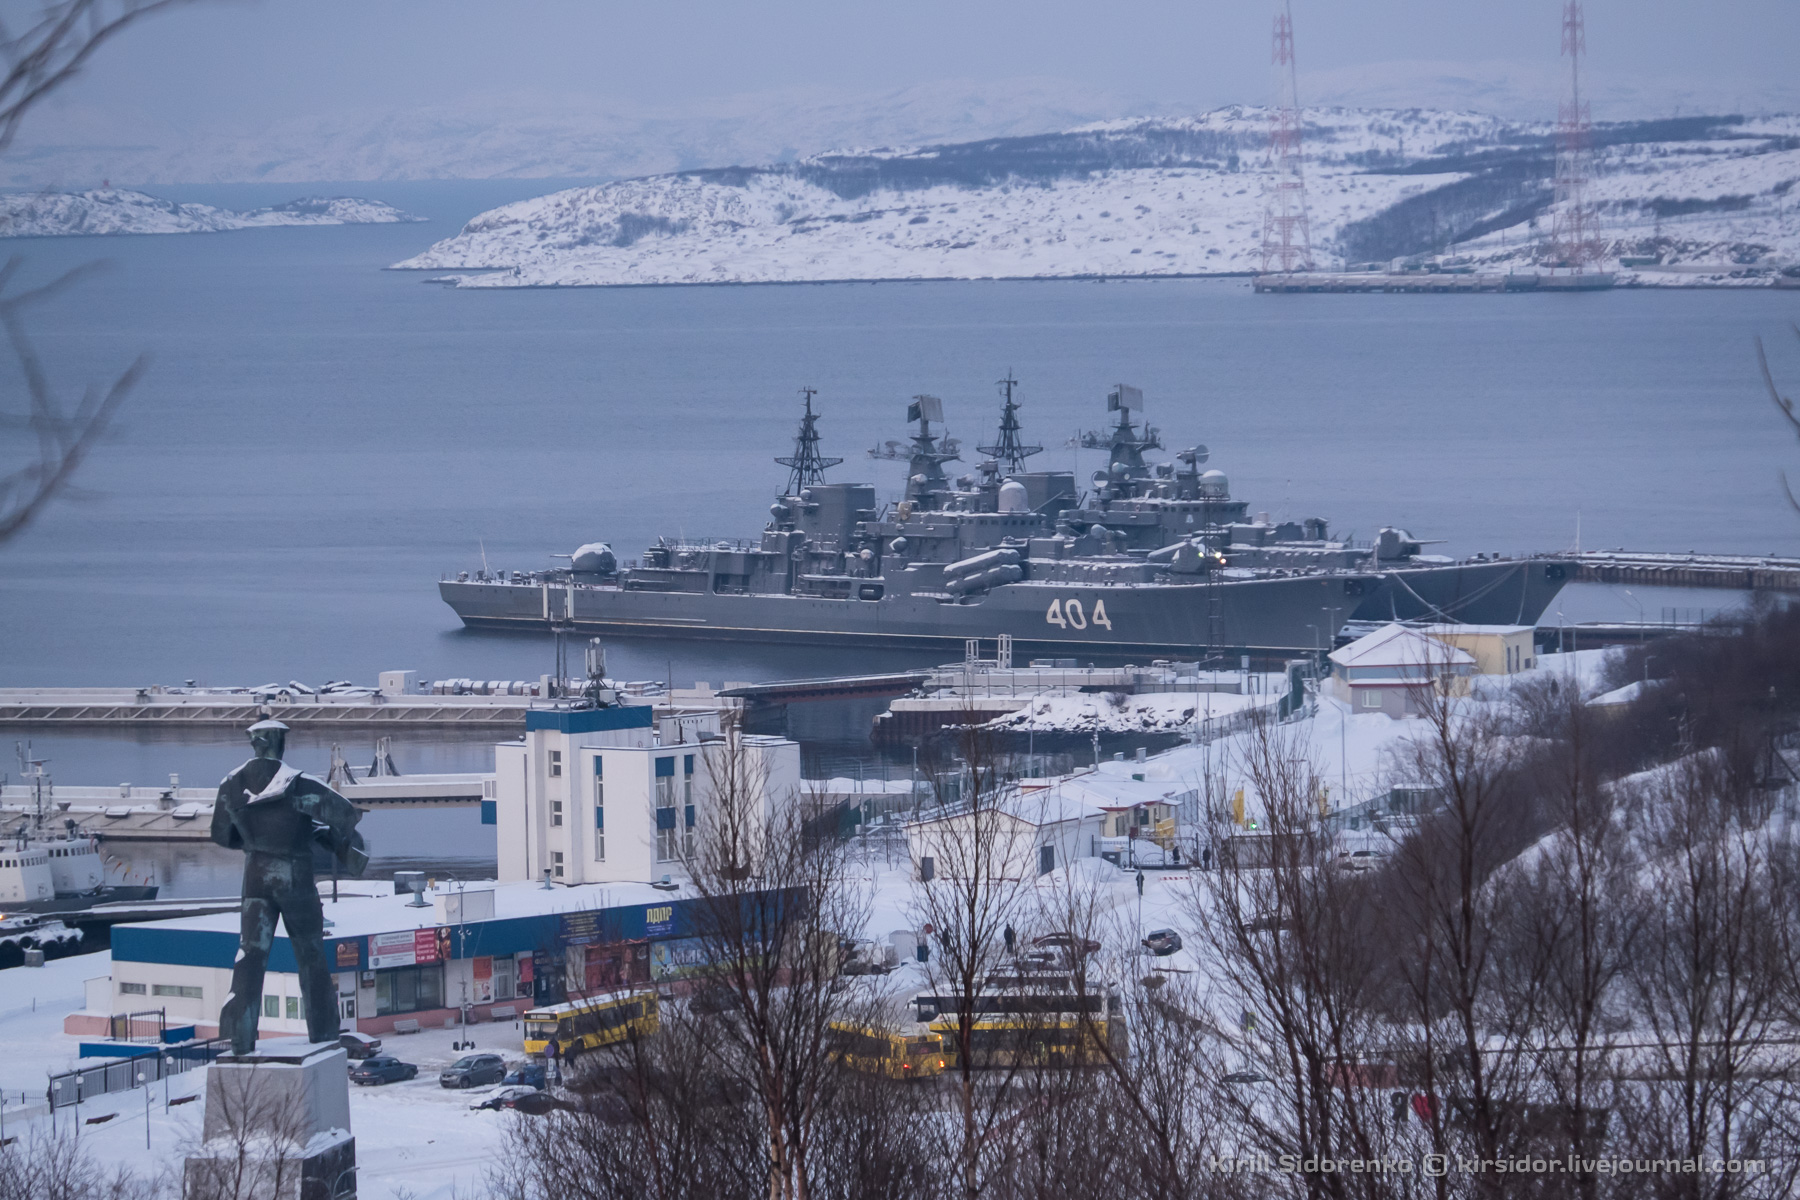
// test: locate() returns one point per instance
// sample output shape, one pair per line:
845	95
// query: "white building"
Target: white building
1395	670
607	796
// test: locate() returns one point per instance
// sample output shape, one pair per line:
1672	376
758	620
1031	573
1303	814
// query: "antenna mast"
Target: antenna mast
1573	241
806	465
1287	234
1009	452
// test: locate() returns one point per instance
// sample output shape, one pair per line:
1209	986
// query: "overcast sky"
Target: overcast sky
238	68
275	56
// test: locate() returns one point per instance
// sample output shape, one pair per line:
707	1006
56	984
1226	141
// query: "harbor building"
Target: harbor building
607	795
478	952
1395	669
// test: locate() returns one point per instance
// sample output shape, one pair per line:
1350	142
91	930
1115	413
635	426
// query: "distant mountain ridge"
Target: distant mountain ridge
1179	196
106	211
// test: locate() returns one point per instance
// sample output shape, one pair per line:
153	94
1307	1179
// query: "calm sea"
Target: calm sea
318	439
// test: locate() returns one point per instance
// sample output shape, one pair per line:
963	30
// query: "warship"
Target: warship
1153	558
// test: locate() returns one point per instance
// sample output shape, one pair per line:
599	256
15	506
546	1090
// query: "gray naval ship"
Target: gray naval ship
1155	558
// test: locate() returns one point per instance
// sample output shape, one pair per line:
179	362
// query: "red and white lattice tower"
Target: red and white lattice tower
1574	231
1287	235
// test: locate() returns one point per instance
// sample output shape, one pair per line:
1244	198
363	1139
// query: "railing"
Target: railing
121	1075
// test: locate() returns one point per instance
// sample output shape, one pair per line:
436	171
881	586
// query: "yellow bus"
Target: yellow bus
597	1021
915	1055
1042	1028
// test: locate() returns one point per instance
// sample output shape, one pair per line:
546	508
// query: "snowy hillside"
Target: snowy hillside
115	210
1148	197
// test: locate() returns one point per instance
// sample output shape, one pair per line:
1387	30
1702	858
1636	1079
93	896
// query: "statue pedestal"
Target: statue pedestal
277	1125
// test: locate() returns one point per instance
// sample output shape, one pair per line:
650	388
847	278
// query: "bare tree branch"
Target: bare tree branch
48	51
64	433
1786	406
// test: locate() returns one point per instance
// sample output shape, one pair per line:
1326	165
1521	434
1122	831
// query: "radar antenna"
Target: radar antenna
806	465
1009	452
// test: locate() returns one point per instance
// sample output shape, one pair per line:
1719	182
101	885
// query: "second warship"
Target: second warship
1156	558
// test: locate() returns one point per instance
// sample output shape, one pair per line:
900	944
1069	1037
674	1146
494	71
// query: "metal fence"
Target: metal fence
121	1075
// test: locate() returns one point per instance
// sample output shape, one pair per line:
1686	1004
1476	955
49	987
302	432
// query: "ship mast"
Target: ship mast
1009	452
806	465
926	480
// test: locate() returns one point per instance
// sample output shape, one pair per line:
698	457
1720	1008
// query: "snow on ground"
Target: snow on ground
120	211
415	1136
779	229
1126	198
1153	712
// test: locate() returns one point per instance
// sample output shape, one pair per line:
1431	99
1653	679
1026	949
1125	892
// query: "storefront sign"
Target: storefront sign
676	960
347	955
409	947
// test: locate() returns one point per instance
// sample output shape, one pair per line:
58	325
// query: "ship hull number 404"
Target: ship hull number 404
1069	614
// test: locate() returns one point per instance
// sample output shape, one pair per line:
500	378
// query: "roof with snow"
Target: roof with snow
1446	630
1394	645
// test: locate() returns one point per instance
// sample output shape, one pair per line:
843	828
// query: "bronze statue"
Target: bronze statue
276	815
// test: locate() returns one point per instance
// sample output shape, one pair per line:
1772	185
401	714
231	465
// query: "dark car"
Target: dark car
473	1070
383	1068
715	998
534	1104
1068	943
504	1098
1162	941
1247	1077
359	1045
531	1075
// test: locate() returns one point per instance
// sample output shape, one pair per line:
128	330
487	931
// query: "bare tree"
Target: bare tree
976	894
51	1166
777	896
1784	405
41	53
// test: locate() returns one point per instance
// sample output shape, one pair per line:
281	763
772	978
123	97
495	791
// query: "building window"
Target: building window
271	1006
668	836
599	831
687	779
408	989
556	764
1371	698
927	868
293	1008
556	862
1046	859
181	991
556	812
131	989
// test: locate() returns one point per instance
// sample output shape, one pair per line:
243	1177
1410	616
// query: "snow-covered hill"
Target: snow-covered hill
1148	197
115	211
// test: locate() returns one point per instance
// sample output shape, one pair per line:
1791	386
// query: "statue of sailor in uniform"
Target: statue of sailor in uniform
276	815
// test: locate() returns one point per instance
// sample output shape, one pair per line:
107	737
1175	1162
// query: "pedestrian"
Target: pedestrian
1012	939
554	1053
1206	858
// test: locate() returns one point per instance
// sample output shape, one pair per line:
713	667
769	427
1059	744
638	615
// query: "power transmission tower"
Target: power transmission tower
1287	234
1574	233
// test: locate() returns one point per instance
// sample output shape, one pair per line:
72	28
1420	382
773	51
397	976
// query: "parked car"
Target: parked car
503	1098
473	1070
530	1075
1246	1077
715	998
1162	941
383	1068
535	1104
1360	860
1267	923
359	1045
1066	942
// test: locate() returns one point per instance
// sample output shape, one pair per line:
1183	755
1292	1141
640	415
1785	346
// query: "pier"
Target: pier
1691	570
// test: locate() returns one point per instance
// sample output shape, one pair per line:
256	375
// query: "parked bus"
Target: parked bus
597	1021
916	1054
1028	1026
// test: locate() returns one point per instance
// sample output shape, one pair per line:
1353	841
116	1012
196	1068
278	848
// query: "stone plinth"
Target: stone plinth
277	1125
